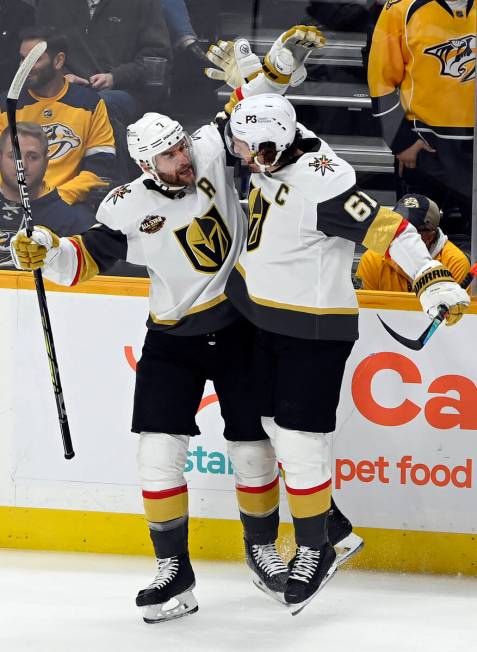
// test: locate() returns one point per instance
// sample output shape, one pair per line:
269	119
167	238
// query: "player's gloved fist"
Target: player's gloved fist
32	253
235	60
435	287
299	41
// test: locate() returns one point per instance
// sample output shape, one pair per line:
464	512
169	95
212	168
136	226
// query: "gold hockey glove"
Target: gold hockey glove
32	253
299	41
235	62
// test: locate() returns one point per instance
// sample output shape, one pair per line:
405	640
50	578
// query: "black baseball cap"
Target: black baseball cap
419	210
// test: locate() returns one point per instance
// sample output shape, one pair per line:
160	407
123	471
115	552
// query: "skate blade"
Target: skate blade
295	609
183	604
277	597
348	547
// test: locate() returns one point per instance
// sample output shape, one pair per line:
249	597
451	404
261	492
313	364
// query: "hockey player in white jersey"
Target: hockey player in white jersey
182	219
293	281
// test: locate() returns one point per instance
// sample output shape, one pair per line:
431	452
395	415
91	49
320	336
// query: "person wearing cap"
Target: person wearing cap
377	272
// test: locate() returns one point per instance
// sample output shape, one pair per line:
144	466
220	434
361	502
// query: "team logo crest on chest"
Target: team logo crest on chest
152	224
119	193
258	208
323	164
206	241
61	140
457	57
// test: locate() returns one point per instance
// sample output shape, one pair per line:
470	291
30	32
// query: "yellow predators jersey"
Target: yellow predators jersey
80	137
422	67
294	274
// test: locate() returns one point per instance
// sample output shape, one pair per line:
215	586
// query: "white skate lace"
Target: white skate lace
166	571
267	558
305	564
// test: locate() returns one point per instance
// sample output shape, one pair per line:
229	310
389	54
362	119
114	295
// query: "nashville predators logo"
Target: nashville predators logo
411	202
5	238
457	57
61	140
258	208
206	241
118	193
5	257
322	164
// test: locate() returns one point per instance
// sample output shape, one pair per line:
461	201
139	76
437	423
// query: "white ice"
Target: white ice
65	602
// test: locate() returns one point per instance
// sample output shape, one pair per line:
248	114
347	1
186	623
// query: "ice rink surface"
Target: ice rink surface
66	602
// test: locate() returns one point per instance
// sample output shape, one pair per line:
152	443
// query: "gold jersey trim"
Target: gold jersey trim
308	309
200	308
382	230
289	306
240	270
87	266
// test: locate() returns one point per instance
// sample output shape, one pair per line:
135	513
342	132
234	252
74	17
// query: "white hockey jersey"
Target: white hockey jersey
188	243
294	274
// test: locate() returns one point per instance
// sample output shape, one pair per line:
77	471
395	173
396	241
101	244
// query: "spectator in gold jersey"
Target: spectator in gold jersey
381	273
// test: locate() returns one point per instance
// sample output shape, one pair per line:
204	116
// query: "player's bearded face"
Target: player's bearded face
175	166
243	151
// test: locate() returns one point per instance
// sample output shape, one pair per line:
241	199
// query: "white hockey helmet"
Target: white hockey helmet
153	134
263	118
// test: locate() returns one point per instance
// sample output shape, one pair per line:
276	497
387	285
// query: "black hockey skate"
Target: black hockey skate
170	594
341	536
269	571
310	570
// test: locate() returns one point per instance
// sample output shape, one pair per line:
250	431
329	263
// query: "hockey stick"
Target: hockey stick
423	339
12	100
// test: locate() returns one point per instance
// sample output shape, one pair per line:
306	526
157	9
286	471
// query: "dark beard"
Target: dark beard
44	77
176	180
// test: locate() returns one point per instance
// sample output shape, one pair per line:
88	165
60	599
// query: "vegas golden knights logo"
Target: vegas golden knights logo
258	208
206	241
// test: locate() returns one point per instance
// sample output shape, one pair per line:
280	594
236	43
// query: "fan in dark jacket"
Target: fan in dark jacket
15	15
108	42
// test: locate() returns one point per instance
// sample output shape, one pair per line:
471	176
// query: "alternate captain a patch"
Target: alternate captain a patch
322	164
152	224
119	193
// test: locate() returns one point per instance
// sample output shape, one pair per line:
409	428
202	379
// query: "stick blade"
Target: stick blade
415	345
25	69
